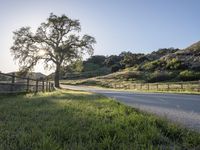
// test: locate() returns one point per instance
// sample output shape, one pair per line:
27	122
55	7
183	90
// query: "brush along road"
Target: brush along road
180	108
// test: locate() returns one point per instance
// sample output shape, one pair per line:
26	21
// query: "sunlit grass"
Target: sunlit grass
81	120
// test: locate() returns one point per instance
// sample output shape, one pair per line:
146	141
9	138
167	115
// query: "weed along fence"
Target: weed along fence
10	83
181	86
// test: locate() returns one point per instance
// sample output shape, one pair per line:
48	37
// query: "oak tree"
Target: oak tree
56	42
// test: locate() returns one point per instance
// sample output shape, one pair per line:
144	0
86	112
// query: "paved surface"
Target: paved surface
181	108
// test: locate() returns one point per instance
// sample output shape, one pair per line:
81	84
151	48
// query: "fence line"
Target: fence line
11	83
157	86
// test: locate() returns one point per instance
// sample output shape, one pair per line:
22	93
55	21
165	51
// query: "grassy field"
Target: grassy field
79	120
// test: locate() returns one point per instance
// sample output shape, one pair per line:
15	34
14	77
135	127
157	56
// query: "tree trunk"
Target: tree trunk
57	76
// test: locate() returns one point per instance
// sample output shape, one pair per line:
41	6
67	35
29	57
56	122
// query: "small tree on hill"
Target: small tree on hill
56	43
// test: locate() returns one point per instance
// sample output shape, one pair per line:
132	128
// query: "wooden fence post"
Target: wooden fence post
13	82
43	85
157	86
46	85
52	88
148	86
36	90
27	85
49	86
181	86
167	87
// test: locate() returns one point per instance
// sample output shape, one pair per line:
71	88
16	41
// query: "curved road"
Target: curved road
180	108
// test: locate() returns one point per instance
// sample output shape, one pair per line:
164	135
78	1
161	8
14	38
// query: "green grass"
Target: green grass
79	120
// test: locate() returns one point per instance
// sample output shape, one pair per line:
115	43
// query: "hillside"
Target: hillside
166	64
189	56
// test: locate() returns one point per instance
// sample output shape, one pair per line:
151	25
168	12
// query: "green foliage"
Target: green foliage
189	75
161	64
115	68
129	59
155	55
112	60
76	66
158	76
175	64
96	59
151	66
164	51
79	120
90	67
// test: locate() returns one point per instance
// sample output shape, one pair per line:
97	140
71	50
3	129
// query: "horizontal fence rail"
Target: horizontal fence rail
10	83
180	86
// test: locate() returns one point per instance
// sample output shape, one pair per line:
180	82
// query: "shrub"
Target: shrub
175	64
90	67
189	75
150	66
115	68
160	76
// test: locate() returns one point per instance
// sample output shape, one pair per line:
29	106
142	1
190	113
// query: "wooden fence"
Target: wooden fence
10	83
177	86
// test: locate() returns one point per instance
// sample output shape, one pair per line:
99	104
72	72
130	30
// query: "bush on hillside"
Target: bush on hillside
96	59
153	65
175	64
112	60
115	68
129	59
90	67
158	76
189	75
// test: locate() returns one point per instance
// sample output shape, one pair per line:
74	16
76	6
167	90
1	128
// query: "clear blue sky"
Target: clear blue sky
118	25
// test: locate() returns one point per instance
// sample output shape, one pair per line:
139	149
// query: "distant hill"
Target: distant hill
33	75
36	75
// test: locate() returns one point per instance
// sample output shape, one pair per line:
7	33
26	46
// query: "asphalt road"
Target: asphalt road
181	108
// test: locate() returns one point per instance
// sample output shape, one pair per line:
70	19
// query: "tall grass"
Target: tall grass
79	120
